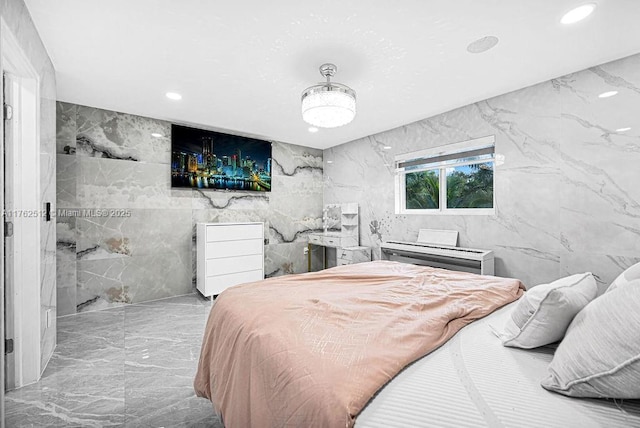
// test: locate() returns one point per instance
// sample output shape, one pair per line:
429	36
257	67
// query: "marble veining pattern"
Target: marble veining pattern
65	128
114	281
279	259
292	215
66	174
614	80
109	163
214	199
131	366
566	199
290	160
87	147
116	183
127	234
106	134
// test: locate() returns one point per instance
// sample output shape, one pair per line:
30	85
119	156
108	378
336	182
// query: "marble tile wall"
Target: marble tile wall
567	198
18	20
124	236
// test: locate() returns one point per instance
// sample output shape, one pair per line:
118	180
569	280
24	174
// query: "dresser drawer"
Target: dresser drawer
217	284
233	232
228	265
345	254
216	250
315	239
331	241
354	255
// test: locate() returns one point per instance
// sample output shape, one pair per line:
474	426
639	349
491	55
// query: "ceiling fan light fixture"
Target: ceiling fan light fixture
329	104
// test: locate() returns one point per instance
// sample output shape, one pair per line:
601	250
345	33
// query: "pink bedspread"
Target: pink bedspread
312	349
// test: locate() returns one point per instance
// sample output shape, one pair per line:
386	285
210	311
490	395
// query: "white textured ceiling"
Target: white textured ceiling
242	65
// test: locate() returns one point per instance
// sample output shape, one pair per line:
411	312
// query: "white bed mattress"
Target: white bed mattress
474	381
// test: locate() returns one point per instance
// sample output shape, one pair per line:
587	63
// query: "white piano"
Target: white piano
437	248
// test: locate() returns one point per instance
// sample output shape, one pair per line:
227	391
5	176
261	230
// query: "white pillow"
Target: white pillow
544	312
600	354
626	277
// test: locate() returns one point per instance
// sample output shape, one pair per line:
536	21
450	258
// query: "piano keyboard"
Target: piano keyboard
454	258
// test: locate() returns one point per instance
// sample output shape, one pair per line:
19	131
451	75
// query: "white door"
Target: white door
22	209
7	88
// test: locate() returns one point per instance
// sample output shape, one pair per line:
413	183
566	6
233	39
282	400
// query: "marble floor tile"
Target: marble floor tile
129	366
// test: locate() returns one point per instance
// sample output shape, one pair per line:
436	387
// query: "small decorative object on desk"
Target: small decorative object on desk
331	218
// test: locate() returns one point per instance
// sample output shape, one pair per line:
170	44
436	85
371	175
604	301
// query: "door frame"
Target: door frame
26	212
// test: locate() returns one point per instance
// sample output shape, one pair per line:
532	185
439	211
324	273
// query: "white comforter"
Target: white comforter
473	381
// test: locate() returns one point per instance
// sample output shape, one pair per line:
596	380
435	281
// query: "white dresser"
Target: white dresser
228	254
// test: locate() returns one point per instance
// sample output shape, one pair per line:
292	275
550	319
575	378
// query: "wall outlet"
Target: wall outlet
305	251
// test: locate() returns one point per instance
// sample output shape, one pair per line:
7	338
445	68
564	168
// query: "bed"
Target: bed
346	346
474	381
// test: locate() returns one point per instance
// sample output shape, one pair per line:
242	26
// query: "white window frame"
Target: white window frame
449	149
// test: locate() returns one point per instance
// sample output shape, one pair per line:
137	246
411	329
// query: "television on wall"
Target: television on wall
202	159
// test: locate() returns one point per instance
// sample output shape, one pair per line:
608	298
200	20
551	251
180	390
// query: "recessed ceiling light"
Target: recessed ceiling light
173	96
157	135
387	147
607	94
483	44
313	129
578	14
622	129
329	161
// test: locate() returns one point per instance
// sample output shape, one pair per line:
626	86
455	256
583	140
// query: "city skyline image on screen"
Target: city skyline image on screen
202	159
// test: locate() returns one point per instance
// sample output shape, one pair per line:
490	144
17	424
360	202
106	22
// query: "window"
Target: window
453	179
